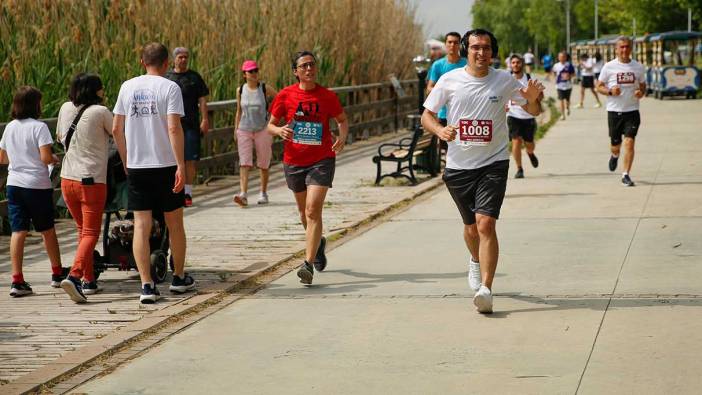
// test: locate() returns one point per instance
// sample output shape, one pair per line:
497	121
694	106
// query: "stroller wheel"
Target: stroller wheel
159	267
98	264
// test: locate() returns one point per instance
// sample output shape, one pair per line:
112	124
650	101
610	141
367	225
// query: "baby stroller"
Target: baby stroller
117	236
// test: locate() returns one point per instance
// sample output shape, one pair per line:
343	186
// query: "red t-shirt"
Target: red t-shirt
315	106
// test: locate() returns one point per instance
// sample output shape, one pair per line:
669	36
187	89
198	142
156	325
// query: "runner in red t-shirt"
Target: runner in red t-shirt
310	151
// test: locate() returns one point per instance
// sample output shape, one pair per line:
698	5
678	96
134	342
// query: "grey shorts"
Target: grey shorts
320	173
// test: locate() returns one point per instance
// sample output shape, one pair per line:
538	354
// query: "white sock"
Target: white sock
625	174
188	189
243	194
473	260
615	156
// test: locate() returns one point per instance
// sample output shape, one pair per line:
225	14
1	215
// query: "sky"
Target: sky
442	16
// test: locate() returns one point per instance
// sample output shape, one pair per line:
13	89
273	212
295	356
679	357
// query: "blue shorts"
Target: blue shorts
192	144
25	205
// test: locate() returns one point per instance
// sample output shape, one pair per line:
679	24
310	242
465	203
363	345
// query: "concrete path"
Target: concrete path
226	245
598	290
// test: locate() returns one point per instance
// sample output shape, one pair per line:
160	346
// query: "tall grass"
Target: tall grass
45	42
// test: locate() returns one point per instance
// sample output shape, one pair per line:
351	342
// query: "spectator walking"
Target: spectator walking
149	139
84	128
251	120
26	147
195	93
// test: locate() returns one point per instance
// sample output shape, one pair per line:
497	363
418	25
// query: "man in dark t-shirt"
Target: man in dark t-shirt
195	93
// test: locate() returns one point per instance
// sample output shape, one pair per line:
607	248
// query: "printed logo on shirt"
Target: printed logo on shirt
495	99
626	78
143	104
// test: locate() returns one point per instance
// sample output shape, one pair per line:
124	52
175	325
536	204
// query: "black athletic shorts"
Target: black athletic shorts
152	189
588	81
320	173
479	190
564	94
623	123
524	128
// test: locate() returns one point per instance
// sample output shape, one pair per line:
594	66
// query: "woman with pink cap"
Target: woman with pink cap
250	125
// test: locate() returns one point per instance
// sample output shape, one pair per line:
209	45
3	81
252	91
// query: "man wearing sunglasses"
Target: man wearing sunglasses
304	109
477	160
195	94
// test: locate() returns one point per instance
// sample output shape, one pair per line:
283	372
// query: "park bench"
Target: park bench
418	152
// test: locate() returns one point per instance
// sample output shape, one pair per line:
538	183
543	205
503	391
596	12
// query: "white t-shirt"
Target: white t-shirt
586	67
628	76
597	67
515	109
21	140
146	101
528	58
471	98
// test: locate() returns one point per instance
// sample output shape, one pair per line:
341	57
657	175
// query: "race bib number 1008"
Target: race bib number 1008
474	132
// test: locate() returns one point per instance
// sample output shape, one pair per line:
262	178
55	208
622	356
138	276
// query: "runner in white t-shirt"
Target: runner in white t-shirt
477	161
521	124
587	65
149	138
529	61
624	82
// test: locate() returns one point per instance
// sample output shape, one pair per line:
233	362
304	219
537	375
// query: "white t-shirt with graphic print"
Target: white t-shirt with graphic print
628	76
146	101
478	100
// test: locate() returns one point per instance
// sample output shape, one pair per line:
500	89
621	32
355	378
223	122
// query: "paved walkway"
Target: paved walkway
598	291
226	244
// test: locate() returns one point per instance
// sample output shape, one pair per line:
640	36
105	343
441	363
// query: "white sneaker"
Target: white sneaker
263	198
597	105
483	300
473	275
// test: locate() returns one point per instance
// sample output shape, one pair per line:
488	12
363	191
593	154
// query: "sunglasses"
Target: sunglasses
308	65
254	71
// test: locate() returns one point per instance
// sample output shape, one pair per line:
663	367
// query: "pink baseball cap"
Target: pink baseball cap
249	65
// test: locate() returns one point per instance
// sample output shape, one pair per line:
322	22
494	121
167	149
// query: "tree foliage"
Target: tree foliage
520	24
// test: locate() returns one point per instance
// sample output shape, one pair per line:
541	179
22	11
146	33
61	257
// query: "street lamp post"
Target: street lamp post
421	65
595	19
433	161
568	25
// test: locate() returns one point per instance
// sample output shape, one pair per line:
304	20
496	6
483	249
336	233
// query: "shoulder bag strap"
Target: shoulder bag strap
74	124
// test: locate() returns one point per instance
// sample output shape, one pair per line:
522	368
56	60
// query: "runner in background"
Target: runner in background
529	61
521	124
624	83
587	65
563	71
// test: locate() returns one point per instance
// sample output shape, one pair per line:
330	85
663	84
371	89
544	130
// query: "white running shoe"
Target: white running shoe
483	300
263	198
474	275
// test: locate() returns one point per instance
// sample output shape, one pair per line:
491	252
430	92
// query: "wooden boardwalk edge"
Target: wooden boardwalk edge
75	361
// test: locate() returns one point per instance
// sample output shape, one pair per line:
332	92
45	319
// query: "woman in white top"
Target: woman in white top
26	147
250	124
83	174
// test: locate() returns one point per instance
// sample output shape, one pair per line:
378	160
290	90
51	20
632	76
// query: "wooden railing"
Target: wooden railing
372	109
